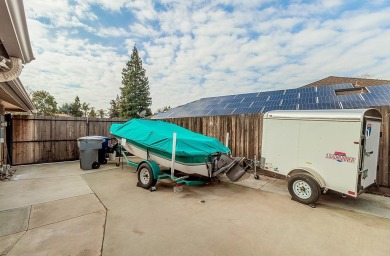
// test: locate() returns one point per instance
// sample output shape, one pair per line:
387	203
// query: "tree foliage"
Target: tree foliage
44	103
135	96
92	113
75	108
85	107
164	109
114	110
64	109
101	113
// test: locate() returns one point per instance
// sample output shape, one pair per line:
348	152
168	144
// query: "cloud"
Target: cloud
196	49
112	32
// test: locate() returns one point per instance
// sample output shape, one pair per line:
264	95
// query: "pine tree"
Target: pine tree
65	109
135	96
92	113
75	107
114	110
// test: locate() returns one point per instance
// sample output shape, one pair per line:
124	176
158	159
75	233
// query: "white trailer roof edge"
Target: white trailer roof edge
334	114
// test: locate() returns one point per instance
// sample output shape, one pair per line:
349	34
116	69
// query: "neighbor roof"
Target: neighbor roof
336	96
356	82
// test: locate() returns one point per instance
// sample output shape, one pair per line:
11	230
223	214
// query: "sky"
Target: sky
196	49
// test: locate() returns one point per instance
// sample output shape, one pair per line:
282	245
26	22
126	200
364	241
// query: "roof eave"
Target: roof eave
17	44
16	90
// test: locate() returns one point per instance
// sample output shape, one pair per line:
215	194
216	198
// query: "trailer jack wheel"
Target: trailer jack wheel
304	189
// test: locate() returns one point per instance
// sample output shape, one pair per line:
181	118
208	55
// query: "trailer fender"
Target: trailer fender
312	172
155	167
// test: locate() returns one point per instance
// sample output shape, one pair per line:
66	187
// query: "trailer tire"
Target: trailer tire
304	189
146	178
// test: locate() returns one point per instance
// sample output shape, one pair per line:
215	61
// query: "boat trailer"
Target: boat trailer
149	171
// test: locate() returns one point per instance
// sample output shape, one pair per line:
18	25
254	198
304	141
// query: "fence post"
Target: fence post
87	127
9	137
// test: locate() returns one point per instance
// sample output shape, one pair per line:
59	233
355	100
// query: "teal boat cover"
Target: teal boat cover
157	137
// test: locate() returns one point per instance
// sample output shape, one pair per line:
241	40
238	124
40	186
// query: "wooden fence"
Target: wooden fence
246	134
34	139
43	139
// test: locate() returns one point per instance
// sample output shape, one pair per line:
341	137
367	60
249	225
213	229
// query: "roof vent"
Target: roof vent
10	68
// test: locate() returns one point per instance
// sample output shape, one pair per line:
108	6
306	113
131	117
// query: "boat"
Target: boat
166	143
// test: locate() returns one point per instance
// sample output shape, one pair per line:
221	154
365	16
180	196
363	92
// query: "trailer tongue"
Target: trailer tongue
173	152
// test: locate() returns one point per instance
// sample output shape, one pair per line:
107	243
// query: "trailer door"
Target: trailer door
370	153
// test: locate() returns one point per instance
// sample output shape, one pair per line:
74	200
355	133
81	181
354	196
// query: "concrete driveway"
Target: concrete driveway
103	212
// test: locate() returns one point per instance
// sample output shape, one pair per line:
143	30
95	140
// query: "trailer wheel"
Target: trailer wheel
304	189
145	176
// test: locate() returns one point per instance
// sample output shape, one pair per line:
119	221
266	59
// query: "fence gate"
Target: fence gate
43	139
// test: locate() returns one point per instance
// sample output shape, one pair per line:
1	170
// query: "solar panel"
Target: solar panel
269	108
308	101
308	94
374	96
244	104
291	101
326	93
246	111
217	112
328	99
377	102
276	97
288	107
320	106
320	97
270	93
350	97
233	101
354	104
334	87
305	89
379	89
271	103
250	95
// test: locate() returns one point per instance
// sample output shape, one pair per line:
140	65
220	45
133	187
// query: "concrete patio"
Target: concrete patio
57	209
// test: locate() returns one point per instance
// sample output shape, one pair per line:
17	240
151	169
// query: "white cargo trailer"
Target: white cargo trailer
320	150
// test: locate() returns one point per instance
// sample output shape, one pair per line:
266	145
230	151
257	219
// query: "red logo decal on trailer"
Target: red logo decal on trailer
340	157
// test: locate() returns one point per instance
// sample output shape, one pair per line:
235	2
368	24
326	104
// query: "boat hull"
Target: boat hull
188	168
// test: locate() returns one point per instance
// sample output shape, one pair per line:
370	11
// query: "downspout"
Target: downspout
12	66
